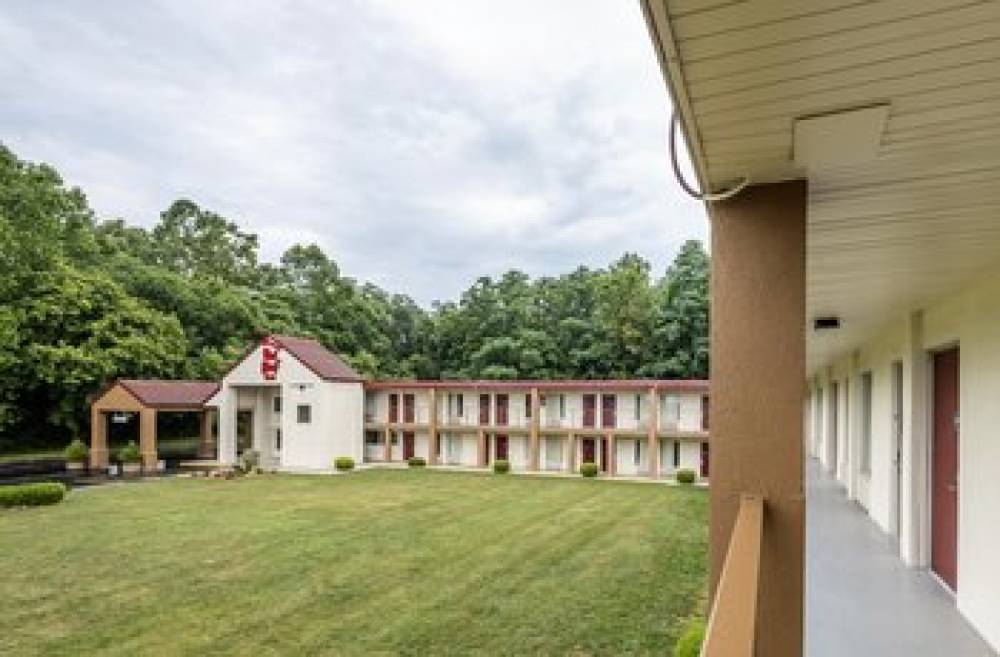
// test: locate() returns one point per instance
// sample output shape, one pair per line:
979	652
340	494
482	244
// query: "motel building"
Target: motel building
299	406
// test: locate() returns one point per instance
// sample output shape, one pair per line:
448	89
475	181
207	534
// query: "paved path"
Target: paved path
861	599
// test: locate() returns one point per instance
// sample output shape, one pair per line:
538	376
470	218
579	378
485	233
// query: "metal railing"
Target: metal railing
732	625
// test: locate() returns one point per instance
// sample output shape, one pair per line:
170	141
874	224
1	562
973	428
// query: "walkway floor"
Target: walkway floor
861	599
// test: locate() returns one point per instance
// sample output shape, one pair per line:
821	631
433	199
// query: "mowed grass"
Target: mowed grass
375	562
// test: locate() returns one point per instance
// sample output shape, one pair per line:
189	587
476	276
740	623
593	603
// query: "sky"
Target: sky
420	144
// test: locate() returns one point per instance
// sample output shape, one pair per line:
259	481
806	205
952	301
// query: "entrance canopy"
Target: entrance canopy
147	397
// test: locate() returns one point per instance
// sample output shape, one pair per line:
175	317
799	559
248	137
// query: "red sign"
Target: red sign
269	358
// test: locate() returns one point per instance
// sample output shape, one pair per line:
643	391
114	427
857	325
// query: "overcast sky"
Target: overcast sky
421	144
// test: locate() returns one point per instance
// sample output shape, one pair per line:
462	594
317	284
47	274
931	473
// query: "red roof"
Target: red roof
686	385
324	363
159	393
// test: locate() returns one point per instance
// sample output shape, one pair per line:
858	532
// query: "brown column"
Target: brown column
535	429
388	444
652	440
98	439
482	449
758	374
571	453
206	446
612	455
147	439
432	429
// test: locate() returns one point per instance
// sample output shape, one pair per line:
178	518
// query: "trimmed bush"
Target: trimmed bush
343	463
250	460
416	461
501	466
49	492
685	476
129	453
588	469
76	452
689	645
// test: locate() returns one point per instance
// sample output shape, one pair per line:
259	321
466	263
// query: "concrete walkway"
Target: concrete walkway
861	599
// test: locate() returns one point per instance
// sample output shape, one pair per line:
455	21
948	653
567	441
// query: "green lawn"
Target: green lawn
376	562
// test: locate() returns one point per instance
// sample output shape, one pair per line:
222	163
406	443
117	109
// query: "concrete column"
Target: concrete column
226	454
206	445
758	379
533	437
481	458
914	516
388	444
98	439
432	429
612	464
147	439
571	453
652	440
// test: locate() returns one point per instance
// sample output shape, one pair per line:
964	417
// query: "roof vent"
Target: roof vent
839	138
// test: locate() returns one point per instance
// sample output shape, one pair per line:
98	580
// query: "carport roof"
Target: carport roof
158	393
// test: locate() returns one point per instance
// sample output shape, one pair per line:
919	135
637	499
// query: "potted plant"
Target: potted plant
686	476
501	466
588	469
343	463
131	459
76	455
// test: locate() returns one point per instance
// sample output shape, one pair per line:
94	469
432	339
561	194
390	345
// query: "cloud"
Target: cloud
420	144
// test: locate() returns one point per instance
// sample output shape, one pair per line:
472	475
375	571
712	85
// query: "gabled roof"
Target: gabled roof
324	363
157	393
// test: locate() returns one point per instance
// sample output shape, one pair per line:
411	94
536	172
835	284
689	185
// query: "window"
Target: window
638	407
672	408
866	423
677	454
371	438
276	404
277	438
395	438
562	407
527	406
460	401
304	413
637	456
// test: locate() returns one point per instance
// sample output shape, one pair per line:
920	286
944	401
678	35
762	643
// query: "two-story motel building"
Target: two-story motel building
299	406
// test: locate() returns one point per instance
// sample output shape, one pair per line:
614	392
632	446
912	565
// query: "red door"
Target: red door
501	447
502	410
484	409
704	460
408	406
407	445
393	408
944	469
588	450
608	411
588	410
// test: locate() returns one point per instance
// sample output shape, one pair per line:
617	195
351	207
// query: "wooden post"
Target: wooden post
533	438
98	438
432	430
757	383
388	444
481	460
571	453
652	439
147	439
612	455
206	446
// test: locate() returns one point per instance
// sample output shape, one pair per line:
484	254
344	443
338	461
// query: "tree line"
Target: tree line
84	300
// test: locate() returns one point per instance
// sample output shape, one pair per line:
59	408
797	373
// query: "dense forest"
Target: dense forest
84	300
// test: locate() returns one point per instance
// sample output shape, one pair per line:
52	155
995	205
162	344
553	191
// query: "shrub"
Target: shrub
343	463
416	461
32	494
76	452
249	460
129	453
689	645
588	469
501	466
685	476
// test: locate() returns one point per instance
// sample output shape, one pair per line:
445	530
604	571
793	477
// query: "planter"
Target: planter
131	469
76	466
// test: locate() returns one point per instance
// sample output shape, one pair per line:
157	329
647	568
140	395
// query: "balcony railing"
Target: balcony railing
732	625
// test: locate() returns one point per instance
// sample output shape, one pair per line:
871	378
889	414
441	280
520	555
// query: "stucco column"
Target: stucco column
652	443
533	441
147	439
481	457
757	386
98	439
206	445
388	445
432	429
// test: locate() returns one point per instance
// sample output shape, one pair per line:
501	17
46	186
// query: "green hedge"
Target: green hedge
129	453
689	645
685	476
501	466
588	469
416	461
343	463
32	494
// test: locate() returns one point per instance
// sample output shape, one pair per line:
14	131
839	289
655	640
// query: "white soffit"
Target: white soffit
837	139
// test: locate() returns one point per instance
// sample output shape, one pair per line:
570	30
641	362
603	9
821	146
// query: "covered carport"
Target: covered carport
146	398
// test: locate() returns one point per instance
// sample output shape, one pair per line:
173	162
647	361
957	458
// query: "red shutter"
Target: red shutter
608	412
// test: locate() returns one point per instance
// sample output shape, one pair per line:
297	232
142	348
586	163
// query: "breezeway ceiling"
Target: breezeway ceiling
886	235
